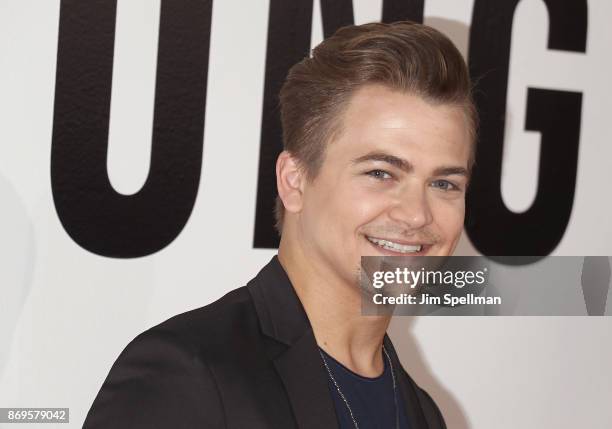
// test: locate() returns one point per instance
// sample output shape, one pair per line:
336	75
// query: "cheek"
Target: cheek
449	217
365	205
347	211
334	209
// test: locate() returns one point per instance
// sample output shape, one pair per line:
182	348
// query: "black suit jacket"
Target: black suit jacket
248	360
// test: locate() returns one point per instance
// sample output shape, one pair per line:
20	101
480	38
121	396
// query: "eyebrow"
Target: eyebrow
395	161
407	167
451	171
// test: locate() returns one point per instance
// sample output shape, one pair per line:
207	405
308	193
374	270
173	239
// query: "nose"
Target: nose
412	208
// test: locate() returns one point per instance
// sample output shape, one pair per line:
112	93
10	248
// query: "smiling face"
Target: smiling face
392	182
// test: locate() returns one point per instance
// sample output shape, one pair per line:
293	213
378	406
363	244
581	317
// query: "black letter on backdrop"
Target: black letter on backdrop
91	211
493	228
289	31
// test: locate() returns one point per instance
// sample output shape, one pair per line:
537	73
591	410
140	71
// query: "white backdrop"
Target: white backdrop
66	313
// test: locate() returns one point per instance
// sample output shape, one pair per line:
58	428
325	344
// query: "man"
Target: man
378	128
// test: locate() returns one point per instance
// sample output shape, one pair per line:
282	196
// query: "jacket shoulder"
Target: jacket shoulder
162	377
208	326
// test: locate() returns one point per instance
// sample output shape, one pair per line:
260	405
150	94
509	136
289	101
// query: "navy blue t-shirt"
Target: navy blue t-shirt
371	399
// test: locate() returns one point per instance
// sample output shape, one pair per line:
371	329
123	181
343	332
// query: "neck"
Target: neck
333	307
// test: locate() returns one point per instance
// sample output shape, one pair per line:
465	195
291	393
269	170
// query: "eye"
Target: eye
379	174
444	185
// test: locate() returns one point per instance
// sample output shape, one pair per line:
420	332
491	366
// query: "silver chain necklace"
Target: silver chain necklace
331	376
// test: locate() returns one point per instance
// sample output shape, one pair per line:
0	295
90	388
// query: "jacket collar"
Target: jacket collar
282	317
280	311
408	389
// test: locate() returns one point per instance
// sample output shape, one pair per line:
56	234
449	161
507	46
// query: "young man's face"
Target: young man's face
392	182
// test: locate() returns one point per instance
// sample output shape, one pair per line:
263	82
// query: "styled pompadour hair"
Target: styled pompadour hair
404	56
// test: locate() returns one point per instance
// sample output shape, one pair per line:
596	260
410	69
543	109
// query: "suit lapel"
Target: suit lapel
304	378
407	389
294	353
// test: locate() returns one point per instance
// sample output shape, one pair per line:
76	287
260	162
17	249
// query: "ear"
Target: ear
289	182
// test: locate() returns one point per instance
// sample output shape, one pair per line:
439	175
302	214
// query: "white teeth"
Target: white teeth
390	245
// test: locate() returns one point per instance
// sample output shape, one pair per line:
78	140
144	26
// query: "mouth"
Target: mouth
398	247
